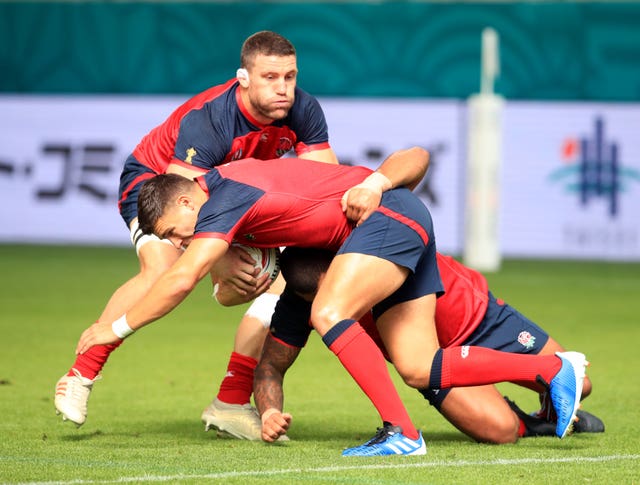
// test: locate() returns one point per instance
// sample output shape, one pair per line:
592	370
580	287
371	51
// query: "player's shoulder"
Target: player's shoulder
215	109
222	104
304	99
306	111
217	93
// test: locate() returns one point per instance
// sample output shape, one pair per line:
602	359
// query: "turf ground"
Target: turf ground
144	426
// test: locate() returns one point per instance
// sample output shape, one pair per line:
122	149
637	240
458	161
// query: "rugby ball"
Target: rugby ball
267	259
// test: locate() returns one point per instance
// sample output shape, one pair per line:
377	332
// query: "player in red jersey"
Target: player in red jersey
467	314
260	114
289	202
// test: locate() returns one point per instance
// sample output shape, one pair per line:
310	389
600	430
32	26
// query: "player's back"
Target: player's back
462	307
280	202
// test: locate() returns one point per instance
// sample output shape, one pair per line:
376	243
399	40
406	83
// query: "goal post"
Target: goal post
484	160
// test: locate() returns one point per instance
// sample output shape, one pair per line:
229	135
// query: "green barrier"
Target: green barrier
571	51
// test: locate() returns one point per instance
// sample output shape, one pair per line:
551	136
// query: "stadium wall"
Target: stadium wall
550	50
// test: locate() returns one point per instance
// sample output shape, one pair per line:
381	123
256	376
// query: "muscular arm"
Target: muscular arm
327	156
401	168
166	294
267	387
405	167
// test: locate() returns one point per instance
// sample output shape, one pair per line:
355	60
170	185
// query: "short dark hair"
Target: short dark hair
302	268
155	195
267	43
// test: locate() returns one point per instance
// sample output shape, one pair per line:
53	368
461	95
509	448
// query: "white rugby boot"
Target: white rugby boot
240	421
237	420
72	395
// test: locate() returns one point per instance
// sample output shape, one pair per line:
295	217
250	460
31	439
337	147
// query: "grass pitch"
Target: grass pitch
143	423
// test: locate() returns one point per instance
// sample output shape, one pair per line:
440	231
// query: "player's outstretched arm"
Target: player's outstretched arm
401	168
166	294
405	167
267	387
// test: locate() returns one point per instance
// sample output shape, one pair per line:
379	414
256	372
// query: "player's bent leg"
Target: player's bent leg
482	414
74	388
345	293
156	256
348	289
254	326
231	412
409	334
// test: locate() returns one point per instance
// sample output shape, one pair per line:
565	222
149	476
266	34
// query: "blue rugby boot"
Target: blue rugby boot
389	440
565	390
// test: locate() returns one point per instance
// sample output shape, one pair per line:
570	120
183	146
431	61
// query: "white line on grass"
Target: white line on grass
285	471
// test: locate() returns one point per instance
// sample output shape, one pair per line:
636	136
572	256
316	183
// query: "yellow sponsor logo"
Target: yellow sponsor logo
191	152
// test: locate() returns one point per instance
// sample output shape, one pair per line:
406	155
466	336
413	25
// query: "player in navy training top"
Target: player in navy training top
215	127
396	243
261	114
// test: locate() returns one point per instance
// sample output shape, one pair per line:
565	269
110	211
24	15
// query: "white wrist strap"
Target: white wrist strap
377	182
121	328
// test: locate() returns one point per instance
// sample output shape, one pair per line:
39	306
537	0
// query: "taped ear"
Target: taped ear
243	76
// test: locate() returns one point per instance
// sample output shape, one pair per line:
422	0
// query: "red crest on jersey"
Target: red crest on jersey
284	146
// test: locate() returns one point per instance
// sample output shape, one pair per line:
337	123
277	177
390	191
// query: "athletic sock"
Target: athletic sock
93	360
366	364
477	366
237	385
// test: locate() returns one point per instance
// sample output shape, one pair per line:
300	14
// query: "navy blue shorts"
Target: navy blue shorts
134	174
400	232
502	328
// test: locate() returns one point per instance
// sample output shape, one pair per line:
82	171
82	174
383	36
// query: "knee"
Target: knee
323	318
415	376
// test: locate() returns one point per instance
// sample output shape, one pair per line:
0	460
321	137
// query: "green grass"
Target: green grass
144	426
